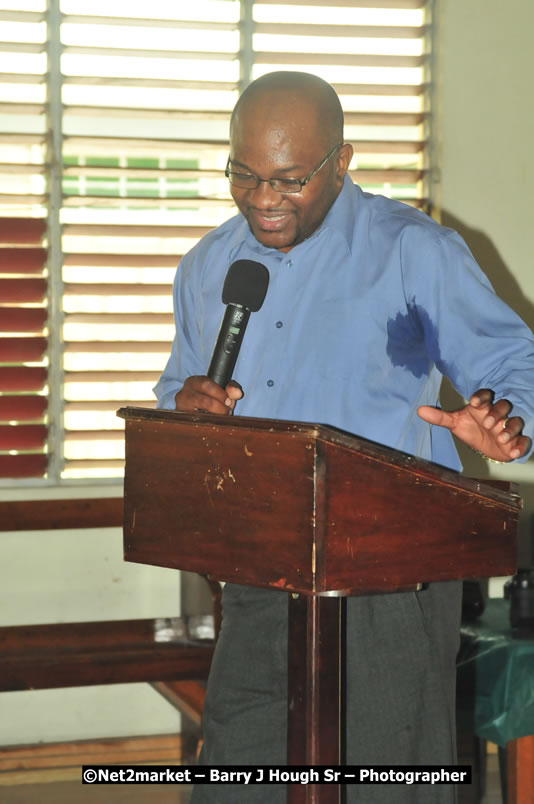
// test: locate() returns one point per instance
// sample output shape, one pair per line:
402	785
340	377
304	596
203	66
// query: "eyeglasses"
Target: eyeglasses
248	181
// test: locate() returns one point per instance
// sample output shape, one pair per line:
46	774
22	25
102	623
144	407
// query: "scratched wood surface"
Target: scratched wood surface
239	501
389	525
303	507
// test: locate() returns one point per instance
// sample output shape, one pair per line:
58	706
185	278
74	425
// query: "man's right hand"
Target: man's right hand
201	393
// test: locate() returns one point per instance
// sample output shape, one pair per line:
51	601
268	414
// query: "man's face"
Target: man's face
282	140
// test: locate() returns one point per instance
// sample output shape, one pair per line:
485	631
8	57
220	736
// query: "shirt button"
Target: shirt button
290	263
270	383
279	324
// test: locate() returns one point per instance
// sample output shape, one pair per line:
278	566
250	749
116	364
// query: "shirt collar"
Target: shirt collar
341	216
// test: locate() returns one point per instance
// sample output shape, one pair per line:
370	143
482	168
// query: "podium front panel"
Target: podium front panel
238	511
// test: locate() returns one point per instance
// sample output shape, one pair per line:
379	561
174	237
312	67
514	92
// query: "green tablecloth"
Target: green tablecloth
496	677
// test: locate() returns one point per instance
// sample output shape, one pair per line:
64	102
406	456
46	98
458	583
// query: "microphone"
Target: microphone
243	292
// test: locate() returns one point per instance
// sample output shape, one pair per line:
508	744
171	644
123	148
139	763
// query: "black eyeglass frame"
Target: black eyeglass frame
274	180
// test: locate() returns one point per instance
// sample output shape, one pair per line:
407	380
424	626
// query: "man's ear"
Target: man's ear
343	157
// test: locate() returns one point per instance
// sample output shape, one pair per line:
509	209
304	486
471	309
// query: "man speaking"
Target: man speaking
369	304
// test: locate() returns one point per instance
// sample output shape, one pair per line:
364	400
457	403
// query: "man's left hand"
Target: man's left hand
484	426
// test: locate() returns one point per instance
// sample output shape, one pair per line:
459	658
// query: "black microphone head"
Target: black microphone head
246	284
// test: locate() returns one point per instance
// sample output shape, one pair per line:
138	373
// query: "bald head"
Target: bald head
303	98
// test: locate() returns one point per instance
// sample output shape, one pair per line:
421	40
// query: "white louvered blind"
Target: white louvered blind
140	104
375	54
146	104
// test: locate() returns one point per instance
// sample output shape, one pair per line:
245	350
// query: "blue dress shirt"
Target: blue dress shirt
359	324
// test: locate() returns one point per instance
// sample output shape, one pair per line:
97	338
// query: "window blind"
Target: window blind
137	100
23	256
375	54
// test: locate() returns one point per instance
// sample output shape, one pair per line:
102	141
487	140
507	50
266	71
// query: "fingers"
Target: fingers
506	431
484	396
509	435
496	420
488	414
519	447
234	392
495	414
201	393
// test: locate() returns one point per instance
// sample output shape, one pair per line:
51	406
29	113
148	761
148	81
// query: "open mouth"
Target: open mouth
270	222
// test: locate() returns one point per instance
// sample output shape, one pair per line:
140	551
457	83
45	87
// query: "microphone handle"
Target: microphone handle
228	344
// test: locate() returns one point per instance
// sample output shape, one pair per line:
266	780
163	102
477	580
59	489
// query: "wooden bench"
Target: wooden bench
161	651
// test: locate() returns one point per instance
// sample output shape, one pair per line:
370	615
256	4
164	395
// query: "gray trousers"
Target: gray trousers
400	691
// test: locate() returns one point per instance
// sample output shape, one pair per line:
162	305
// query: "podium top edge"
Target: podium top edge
500	492
312	429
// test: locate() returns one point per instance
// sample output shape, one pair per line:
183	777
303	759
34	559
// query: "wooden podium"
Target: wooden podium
316	512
